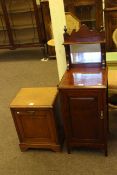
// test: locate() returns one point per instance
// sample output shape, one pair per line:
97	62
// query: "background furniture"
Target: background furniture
48	28
110	23
72	22
24	24
110	3
37	120
89	12
112	89
83	92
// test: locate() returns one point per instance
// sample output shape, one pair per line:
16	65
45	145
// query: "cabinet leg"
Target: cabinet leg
68	148
45	52
56	148
23	147
106	152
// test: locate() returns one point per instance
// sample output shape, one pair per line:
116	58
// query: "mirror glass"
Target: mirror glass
85	53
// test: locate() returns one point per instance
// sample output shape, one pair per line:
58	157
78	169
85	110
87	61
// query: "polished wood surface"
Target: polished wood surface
84	78
83	93
35	97
37	118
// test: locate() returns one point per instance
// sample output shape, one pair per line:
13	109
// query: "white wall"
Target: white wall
58	23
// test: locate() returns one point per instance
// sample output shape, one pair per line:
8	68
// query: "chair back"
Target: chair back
114	37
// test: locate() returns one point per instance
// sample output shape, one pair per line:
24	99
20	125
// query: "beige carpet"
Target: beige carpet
24	69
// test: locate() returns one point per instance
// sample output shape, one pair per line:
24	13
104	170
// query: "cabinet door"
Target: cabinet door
83	115
35	125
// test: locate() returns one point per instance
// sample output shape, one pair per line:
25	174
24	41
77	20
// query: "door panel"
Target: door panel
35	127
82	116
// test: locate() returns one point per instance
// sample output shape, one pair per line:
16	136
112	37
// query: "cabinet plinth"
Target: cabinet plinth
36	118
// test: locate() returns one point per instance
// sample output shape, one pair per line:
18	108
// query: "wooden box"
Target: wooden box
36	115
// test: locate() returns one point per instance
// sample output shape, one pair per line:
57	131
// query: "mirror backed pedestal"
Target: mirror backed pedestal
83	91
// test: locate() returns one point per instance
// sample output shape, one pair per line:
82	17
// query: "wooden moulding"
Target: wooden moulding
85	35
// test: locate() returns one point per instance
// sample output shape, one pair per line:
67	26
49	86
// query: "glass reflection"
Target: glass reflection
85	53
87	79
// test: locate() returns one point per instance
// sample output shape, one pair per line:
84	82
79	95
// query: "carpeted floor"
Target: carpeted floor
24	69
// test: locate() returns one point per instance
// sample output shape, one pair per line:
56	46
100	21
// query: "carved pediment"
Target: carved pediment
85	35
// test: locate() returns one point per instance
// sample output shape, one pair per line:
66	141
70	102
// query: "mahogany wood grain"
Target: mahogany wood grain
84	78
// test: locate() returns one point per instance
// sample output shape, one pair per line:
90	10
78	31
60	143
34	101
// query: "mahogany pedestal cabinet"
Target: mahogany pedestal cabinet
83	96
36	115
83	91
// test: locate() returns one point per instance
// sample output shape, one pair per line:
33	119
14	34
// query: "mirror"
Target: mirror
85	53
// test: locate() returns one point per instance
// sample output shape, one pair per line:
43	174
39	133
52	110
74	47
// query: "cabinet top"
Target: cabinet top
84	78
35	97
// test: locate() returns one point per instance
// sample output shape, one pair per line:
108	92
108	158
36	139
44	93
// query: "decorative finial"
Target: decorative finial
65	29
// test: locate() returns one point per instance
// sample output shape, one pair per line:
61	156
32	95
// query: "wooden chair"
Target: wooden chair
72	22
114	37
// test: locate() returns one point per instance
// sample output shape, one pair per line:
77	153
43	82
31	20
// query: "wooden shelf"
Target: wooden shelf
23	27
4	37
14	6
21	22
88	20
25	36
